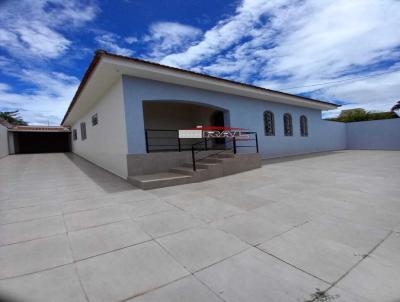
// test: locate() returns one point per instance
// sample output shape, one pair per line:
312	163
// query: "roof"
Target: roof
39	129
99	54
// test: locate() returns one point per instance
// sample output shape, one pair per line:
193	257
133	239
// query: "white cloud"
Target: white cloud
277	44
32	31
46	101
373	94
131	40
34	28
41	40
109	42
330	39
225	34
168	37
280	44
4	61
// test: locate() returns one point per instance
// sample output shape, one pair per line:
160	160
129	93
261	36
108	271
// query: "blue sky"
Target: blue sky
351	47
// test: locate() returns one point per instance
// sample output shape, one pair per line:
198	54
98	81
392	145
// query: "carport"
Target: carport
39	139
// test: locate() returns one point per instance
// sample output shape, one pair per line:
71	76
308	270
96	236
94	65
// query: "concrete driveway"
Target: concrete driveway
70	231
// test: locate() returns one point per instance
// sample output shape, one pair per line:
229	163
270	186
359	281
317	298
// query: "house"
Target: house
126	114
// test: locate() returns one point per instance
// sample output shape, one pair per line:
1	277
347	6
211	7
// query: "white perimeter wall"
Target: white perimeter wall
374	135
3	141
106	143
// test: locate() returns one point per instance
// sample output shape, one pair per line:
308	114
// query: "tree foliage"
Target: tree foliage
13	117
396	106
359	114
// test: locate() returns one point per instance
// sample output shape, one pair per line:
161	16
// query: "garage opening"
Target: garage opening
38	139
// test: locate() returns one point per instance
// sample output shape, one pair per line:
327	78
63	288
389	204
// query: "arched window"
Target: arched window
288	125
303	126
269	123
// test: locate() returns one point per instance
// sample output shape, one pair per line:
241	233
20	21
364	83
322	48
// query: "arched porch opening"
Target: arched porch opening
163	119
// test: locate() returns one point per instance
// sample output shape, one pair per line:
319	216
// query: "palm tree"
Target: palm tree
396	106
12	117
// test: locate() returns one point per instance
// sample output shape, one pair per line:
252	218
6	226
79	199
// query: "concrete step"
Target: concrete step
211	160
159	180
187	170
208	168
224	155
200	165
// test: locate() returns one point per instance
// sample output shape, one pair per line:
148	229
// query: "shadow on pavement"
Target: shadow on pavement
109	182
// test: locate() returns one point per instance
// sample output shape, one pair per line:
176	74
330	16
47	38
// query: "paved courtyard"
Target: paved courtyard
70	231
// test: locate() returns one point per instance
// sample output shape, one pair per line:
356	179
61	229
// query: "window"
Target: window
303	126
269	123
288	125
83	131
74	134
95	121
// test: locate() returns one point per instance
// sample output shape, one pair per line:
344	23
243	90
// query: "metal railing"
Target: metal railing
235	141
164	140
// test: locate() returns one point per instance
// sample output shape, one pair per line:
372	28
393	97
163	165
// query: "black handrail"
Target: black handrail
194	152
193	160
172	142
196	147
234	147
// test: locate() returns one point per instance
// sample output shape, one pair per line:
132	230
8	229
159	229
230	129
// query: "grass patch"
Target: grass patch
322	296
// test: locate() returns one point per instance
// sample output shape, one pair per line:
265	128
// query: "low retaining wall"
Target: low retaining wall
149	163
374	135
142	164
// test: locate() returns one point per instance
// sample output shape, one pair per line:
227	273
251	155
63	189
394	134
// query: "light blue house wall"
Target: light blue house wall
374	135
243	112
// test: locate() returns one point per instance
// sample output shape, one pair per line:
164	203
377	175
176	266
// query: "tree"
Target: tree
396	106
353	115
13	117
359	114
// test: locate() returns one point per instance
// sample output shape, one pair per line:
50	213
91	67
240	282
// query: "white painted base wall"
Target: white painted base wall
3	141
106	143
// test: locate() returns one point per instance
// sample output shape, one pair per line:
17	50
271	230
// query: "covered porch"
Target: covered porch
170	160
163	120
